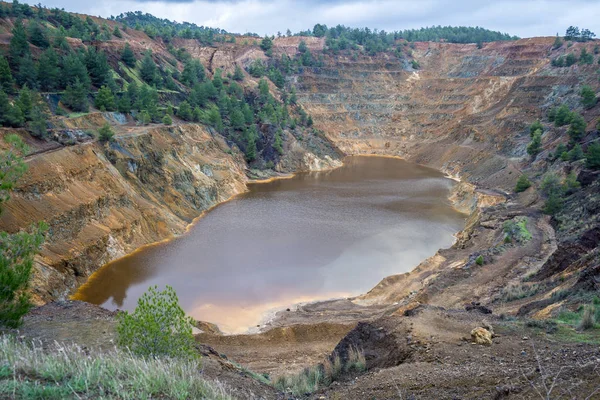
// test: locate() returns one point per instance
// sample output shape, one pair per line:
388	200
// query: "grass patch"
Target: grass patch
311	379
264	378
586	317
77	114
581	325
131	73
519	291
567	333
67	372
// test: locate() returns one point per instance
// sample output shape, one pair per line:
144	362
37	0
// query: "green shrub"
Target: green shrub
562	116
535	146
106	134
157	327
577	128
588	96
516	229
523	184
559	151
576	153
554	191
479	260
592	156
167	119
553	204
571	183
105	100
537	125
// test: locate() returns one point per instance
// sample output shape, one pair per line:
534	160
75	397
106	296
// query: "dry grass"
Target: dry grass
588	319
312	378
519	291
69	372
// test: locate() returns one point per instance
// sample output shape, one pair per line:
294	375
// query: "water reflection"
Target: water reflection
317	235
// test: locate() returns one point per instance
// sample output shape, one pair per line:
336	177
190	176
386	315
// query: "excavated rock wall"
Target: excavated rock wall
466	111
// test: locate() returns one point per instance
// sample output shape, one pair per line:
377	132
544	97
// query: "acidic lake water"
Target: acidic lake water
315	236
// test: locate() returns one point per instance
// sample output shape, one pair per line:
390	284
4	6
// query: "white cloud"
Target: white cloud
523	18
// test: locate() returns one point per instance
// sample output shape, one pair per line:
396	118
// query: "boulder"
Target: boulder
481	336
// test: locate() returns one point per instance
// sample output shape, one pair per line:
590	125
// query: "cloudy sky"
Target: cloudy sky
524	18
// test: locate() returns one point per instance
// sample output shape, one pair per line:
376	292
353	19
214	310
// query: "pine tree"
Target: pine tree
97	66
157	327
106	134
218	80
576	153
263	90
592	156
302	47
185	111
127	56
293	98
133	94
266	44
585	57
60	39
167	119
238	74
278	142
523	184
214	118
27	74
588	97
117	32
6	79
5	108
25	101
557	42
562	116
535	146
15	117
48	71
223	104
124	103
237	119
193	72
257	69
75	97
248	114
571	59
19	46
38	126
577	128
148	69
251	135
198	114
537	125
104	101
74	69
145	118
37	35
